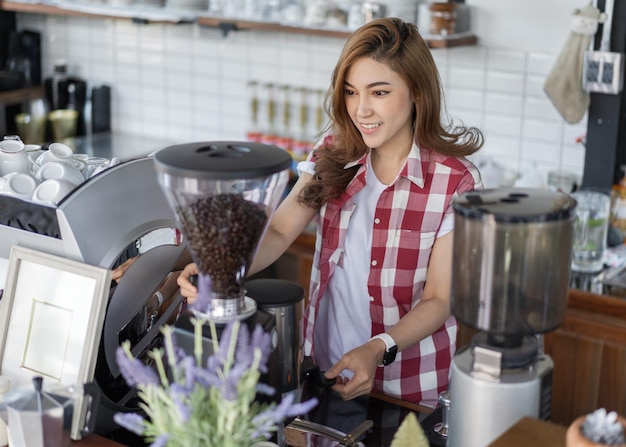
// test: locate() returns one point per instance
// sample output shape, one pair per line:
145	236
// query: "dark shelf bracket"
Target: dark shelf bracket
227	27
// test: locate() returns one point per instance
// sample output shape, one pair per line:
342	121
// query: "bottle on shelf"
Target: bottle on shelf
284	137
302	144
254	134
269	128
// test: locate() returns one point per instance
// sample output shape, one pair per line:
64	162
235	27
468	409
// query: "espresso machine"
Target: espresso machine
117	215
223	194
510	281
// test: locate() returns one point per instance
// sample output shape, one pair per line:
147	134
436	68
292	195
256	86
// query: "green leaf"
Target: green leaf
410	433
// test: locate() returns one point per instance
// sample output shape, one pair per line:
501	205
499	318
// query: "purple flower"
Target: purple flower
230	374
161	440
134	371
131	421
263	341
203	300
265	421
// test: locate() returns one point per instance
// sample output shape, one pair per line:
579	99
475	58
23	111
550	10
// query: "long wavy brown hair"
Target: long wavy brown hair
398	45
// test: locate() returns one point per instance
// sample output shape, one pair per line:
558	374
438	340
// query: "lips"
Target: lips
370	127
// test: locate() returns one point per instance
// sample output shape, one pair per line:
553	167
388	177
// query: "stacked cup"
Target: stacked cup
44	177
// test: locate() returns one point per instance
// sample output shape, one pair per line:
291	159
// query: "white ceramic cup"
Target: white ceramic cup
56	152
33	151
51	192
13	157
18	184
59	170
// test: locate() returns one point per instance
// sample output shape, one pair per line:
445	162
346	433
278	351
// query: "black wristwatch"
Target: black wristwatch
391	351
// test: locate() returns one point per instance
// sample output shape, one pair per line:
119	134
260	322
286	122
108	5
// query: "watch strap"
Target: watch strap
391	348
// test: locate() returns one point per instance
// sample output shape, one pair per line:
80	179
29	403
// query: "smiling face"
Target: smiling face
380	105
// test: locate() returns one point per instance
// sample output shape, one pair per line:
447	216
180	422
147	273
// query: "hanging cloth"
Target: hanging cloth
564	84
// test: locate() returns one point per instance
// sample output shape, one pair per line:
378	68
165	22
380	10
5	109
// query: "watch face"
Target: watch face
390	355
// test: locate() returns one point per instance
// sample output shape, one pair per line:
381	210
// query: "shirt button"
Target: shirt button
377	220
371	298
374	263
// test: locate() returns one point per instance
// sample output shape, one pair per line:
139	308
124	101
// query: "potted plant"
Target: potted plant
597	429
187	402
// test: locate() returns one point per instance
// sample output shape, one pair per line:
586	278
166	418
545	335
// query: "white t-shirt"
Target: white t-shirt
343	321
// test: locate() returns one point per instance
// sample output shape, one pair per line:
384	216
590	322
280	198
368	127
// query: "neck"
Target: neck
387	164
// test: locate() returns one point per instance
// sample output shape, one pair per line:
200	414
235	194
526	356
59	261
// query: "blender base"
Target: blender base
482	408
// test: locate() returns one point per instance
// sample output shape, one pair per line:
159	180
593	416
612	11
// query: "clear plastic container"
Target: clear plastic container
512	254
223	194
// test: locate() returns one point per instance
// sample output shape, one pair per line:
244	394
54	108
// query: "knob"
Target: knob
441	428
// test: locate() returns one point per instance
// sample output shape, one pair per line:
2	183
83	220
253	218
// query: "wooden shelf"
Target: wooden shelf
139	15
10	97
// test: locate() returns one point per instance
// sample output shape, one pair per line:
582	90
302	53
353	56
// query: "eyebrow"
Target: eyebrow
373	84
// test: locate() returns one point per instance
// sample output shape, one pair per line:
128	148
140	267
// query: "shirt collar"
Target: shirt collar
412	169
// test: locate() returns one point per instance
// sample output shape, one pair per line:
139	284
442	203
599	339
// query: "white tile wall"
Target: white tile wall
188	83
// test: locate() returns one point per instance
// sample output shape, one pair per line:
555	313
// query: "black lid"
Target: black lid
222	160
271	292
516	205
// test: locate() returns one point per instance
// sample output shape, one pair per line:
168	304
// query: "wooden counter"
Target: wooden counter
95	441
532	432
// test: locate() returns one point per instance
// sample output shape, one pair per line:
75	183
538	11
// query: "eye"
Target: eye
348	91
380	93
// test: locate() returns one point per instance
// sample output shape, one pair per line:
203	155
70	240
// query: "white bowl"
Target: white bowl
60	170
56	152
19	185
51	192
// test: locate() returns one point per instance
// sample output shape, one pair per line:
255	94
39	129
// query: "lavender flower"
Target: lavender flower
189	403
203	301
131	421
160	441
133	370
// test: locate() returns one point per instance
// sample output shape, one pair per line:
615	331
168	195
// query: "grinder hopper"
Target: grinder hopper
223	194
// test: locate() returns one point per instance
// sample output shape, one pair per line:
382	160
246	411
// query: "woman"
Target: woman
382	181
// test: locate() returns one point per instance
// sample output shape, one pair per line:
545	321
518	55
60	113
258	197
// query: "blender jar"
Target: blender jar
512	255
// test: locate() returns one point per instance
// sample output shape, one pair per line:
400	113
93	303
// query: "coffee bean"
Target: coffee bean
223	231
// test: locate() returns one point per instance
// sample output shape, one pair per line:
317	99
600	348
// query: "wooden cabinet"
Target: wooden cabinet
589	354
12	97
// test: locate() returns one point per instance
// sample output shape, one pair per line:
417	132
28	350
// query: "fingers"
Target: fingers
118	273
187	289
361	361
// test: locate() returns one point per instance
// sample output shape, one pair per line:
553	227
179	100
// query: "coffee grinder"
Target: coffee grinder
223	194
512	255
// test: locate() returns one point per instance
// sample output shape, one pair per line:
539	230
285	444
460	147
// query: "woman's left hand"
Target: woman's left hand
362	361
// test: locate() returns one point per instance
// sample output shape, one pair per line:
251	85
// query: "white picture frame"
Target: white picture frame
51	318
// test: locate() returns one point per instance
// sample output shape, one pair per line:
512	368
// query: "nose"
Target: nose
363	107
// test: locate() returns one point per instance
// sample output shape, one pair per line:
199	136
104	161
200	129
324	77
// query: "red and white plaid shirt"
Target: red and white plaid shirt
408	215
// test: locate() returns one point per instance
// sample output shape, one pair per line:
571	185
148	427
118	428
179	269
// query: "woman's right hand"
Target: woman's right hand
187	289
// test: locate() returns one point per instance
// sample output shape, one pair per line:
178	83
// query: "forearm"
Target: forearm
286	224
420	322
271	248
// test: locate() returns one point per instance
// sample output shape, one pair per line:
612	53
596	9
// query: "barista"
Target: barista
382	181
